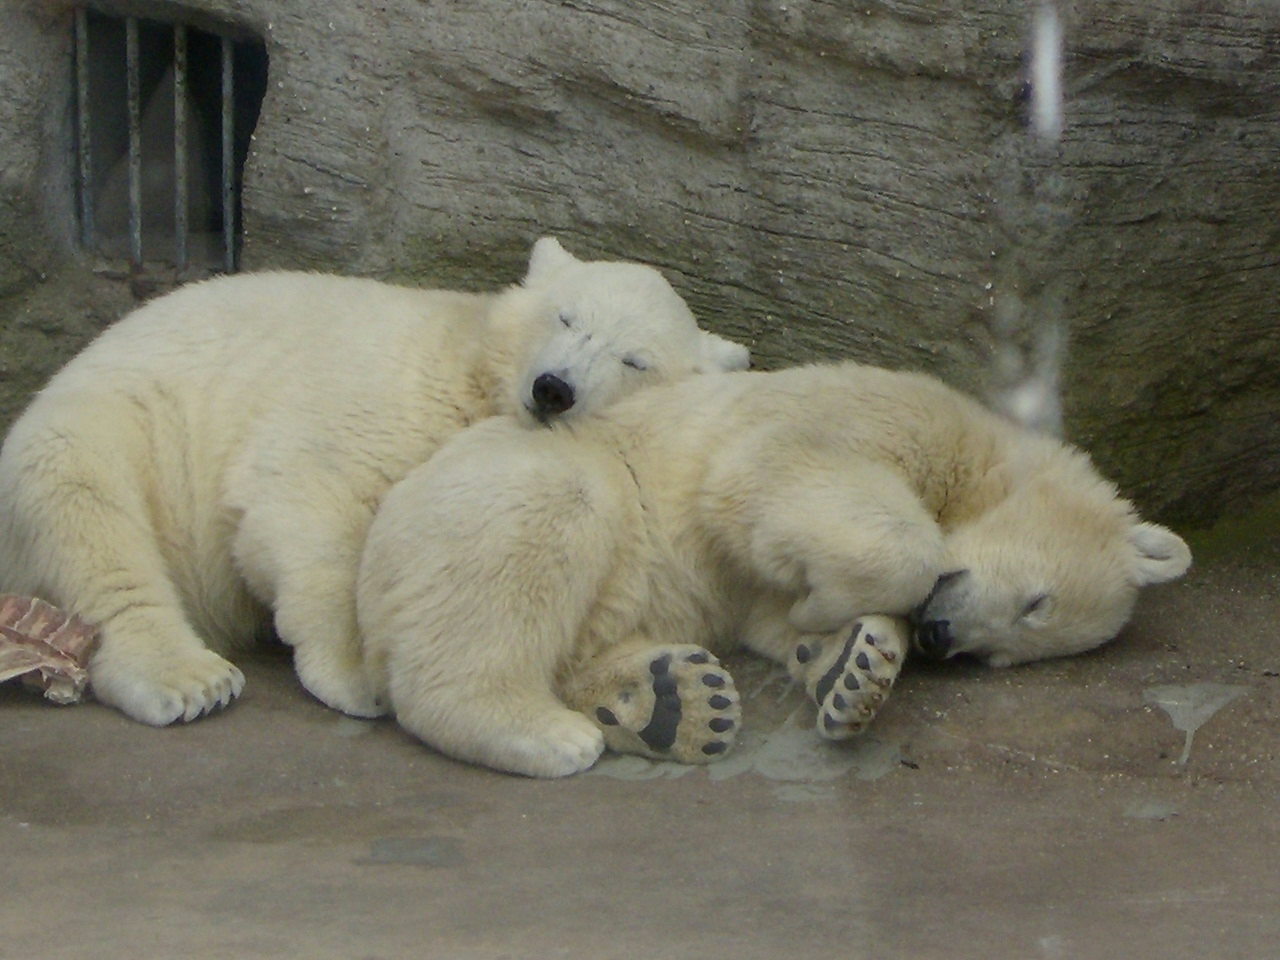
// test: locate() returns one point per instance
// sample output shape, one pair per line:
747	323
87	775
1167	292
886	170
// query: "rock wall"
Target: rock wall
821	179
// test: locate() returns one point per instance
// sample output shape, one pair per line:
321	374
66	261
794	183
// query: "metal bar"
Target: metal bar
180	208
135	140
85	155
228	160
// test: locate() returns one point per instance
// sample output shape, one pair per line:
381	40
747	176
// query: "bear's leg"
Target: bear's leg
472	675
92	549
664	701
514	727
844	541
317	618
479	572
302	559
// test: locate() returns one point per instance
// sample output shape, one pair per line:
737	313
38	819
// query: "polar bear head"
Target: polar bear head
1052	569
593	331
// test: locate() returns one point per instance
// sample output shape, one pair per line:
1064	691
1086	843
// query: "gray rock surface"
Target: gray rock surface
820	179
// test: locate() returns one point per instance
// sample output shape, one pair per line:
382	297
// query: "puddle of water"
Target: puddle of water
793	753
621	767
1190	706
1151	810
420	851
804	792
1052	947
351	727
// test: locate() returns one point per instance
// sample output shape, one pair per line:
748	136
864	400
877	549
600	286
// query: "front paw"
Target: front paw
849	674
160	687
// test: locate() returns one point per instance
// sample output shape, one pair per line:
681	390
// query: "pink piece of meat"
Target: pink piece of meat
48	648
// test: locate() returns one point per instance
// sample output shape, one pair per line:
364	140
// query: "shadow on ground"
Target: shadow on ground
1116	805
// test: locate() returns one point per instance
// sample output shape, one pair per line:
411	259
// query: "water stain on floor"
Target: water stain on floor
1190	706
792	753
417	851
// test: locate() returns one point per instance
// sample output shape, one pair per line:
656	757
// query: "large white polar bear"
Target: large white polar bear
527	598
216	456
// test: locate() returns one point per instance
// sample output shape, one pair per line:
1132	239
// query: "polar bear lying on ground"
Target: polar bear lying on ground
219	453
527	598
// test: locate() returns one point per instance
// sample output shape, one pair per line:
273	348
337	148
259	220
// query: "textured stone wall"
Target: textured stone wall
821	179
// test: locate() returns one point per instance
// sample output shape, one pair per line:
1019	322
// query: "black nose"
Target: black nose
551	395
934	639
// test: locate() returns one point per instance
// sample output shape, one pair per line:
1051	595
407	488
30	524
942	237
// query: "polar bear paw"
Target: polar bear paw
160	688
563	745
337	681
849	674
670	702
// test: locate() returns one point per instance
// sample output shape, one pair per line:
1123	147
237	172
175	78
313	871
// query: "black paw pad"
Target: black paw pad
697	658
803	654
714	747
713	680
829	678
719	702
660	733
720	724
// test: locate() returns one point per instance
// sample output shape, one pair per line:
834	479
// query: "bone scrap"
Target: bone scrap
48	648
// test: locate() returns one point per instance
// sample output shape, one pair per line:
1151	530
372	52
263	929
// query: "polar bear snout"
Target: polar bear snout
933	634
933	639
551	395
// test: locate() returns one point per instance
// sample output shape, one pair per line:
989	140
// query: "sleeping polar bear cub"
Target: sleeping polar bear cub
215	457
527	598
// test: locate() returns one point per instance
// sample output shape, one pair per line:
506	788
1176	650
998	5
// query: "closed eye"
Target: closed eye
1039	604
566	319
635	363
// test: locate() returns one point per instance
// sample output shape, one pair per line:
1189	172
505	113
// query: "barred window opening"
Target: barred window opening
164	113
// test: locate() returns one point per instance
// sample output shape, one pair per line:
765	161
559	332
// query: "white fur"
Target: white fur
216	456
740	508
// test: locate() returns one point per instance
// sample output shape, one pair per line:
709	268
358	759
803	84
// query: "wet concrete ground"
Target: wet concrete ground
1041	812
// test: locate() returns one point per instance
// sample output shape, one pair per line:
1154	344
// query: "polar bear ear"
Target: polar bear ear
547	256
721	354
1161	554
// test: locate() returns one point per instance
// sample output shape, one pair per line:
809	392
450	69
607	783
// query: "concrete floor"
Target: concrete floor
1041	812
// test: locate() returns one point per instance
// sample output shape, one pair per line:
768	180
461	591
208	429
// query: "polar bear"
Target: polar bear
213	459
527	598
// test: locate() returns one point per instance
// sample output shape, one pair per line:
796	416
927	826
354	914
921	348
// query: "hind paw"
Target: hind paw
163	687
669	702
338	682
849	674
